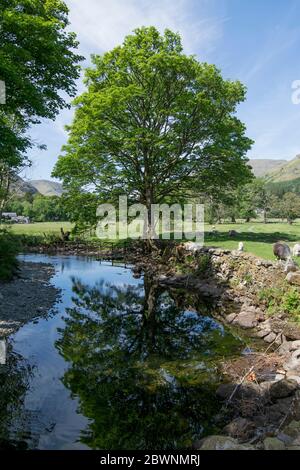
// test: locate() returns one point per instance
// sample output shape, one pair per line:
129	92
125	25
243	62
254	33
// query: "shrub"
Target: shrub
203	264
281	300
291	302
9	248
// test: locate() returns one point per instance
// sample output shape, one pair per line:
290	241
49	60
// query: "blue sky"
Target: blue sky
255	41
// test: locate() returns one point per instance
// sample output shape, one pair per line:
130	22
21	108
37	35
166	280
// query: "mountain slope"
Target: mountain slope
20	187
262	167
287	172
47	188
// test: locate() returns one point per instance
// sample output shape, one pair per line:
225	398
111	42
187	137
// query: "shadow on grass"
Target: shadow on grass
253	237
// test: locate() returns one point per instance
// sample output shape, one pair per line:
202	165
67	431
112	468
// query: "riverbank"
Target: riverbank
27	296
261	394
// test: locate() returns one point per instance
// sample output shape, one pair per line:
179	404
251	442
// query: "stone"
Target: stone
290	330
296	442
270	337
224	391
230	318
222	443
287	440
264	329
291	374
282	408
296	406
265	264
240	428
291	266
246	319
248	391
293	362
293	278
288	346
292	429
272	443
283	388
265	386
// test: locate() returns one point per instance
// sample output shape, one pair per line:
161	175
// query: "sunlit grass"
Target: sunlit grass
258	238
39	228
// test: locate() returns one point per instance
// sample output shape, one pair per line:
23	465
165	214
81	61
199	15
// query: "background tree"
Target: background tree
259	197
154	123
39	67
289	207
39	208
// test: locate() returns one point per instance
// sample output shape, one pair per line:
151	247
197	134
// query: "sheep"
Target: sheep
241	246
296	249
192	246
281	251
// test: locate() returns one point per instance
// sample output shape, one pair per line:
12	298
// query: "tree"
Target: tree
257	196
154	123
289	207
39	208
39	67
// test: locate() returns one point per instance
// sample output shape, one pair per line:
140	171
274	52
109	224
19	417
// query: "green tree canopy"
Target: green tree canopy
37	61
152	124
289	207
39	67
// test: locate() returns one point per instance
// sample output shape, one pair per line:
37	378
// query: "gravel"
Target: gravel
28	296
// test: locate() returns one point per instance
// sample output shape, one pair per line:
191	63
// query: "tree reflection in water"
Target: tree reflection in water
142	365
14	383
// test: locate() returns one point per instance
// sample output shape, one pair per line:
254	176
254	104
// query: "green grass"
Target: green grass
257	237
39	228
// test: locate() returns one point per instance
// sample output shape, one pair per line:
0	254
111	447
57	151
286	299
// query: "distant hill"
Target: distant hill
47	188
20	187
288	172
262	167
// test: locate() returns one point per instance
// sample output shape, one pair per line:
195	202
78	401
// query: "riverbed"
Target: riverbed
117	363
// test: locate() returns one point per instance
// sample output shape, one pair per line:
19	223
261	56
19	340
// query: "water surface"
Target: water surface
118	364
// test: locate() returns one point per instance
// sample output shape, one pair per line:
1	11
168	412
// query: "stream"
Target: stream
119	363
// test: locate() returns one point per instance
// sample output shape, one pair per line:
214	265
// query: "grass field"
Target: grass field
39	228
257	237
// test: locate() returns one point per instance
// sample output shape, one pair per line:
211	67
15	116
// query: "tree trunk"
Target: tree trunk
149	229
4	189
265	216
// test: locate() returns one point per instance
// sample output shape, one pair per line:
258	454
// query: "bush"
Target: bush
282	300
9	249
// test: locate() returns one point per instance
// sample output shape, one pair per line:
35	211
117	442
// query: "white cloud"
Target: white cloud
102	24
